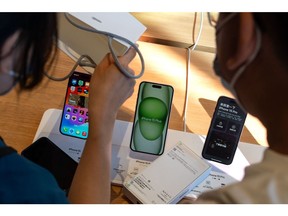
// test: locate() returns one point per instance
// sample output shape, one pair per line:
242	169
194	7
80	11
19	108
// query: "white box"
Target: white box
169	178
75	42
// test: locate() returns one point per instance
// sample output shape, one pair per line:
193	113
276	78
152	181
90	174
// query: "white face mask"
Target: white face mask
8	76
7	81
231	86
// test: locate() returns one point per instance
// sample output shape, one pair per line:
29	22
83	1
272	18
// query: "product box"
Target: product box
75	41
169	178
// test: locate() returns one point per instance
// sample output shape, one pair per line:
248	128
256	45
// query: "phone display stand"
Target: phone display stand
128	163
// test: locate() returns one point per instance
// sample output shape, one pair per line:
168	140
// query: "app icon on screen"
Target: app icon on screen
80	82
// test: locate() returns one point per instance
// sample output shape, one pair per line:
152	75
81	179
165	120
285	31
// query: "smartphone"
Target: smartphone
74	120
46	154
224	131
151	118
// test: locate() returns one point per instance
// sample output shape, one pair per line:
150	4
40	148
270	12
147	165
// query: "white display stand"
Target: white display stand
126	162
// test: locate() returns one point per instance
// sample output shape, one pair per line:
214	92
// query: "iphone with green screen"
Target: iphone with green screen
151	118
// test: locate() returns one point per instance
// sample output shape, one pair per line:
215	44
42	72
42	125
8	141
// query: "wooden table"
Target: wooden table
21	112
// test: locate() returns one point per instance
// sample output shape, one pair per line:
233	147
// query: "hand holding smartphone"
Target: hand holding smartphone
224	132
74	120
151	118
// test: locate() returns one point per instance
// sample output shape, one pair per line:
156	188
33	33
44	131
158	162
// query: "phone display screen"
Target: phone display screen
74	120
151	118
225	131
46	154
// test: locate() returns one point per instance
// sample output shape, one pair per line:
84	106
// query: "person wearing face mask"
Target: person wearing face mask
252	63
27	47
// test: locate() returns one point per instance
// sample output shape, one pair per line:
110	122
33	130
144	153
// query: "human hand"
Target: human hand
109	88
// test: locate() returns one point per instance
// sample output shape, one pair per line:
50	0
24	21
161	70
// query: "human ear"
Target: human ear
246	41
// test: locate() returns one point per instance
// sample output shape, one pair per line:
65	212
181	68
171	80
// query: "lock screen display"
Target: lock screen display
74	121
225	131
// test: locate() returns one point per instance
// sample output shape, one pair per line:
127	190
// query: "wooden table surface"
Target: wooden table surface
21	112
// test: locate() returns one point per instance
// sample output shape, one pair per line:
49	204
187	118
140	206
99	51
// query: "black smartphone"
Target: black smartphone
46	154
151	118
224	132
74	120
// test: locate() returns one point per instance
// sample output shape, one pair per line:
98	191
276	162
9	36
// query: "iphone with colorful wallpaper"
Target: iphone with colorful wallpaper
151	118
74	120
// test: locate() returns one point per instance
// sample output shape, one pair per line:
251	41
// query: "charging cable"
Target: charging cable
110	37
189	49
82	61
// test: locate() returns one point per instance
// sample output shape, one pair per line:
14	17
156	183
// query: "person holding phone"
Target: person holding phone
251	61
27	46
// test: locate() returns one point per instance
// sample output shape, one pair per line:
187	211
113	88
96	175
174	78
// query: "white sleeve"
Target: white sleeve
265	182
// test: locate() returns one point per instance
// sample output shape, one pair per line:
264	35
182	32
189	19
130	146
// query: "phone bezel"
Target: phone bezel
45	153
80	74
218	159
136	113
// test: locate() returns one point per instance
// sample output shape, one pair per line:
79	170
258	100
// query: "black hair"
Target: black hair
274	25
36	43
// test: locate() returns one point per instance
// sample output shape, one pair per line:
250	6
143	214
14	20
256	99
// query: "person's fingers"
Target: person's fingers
124	60
131	71
106	61
110	58
128	57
